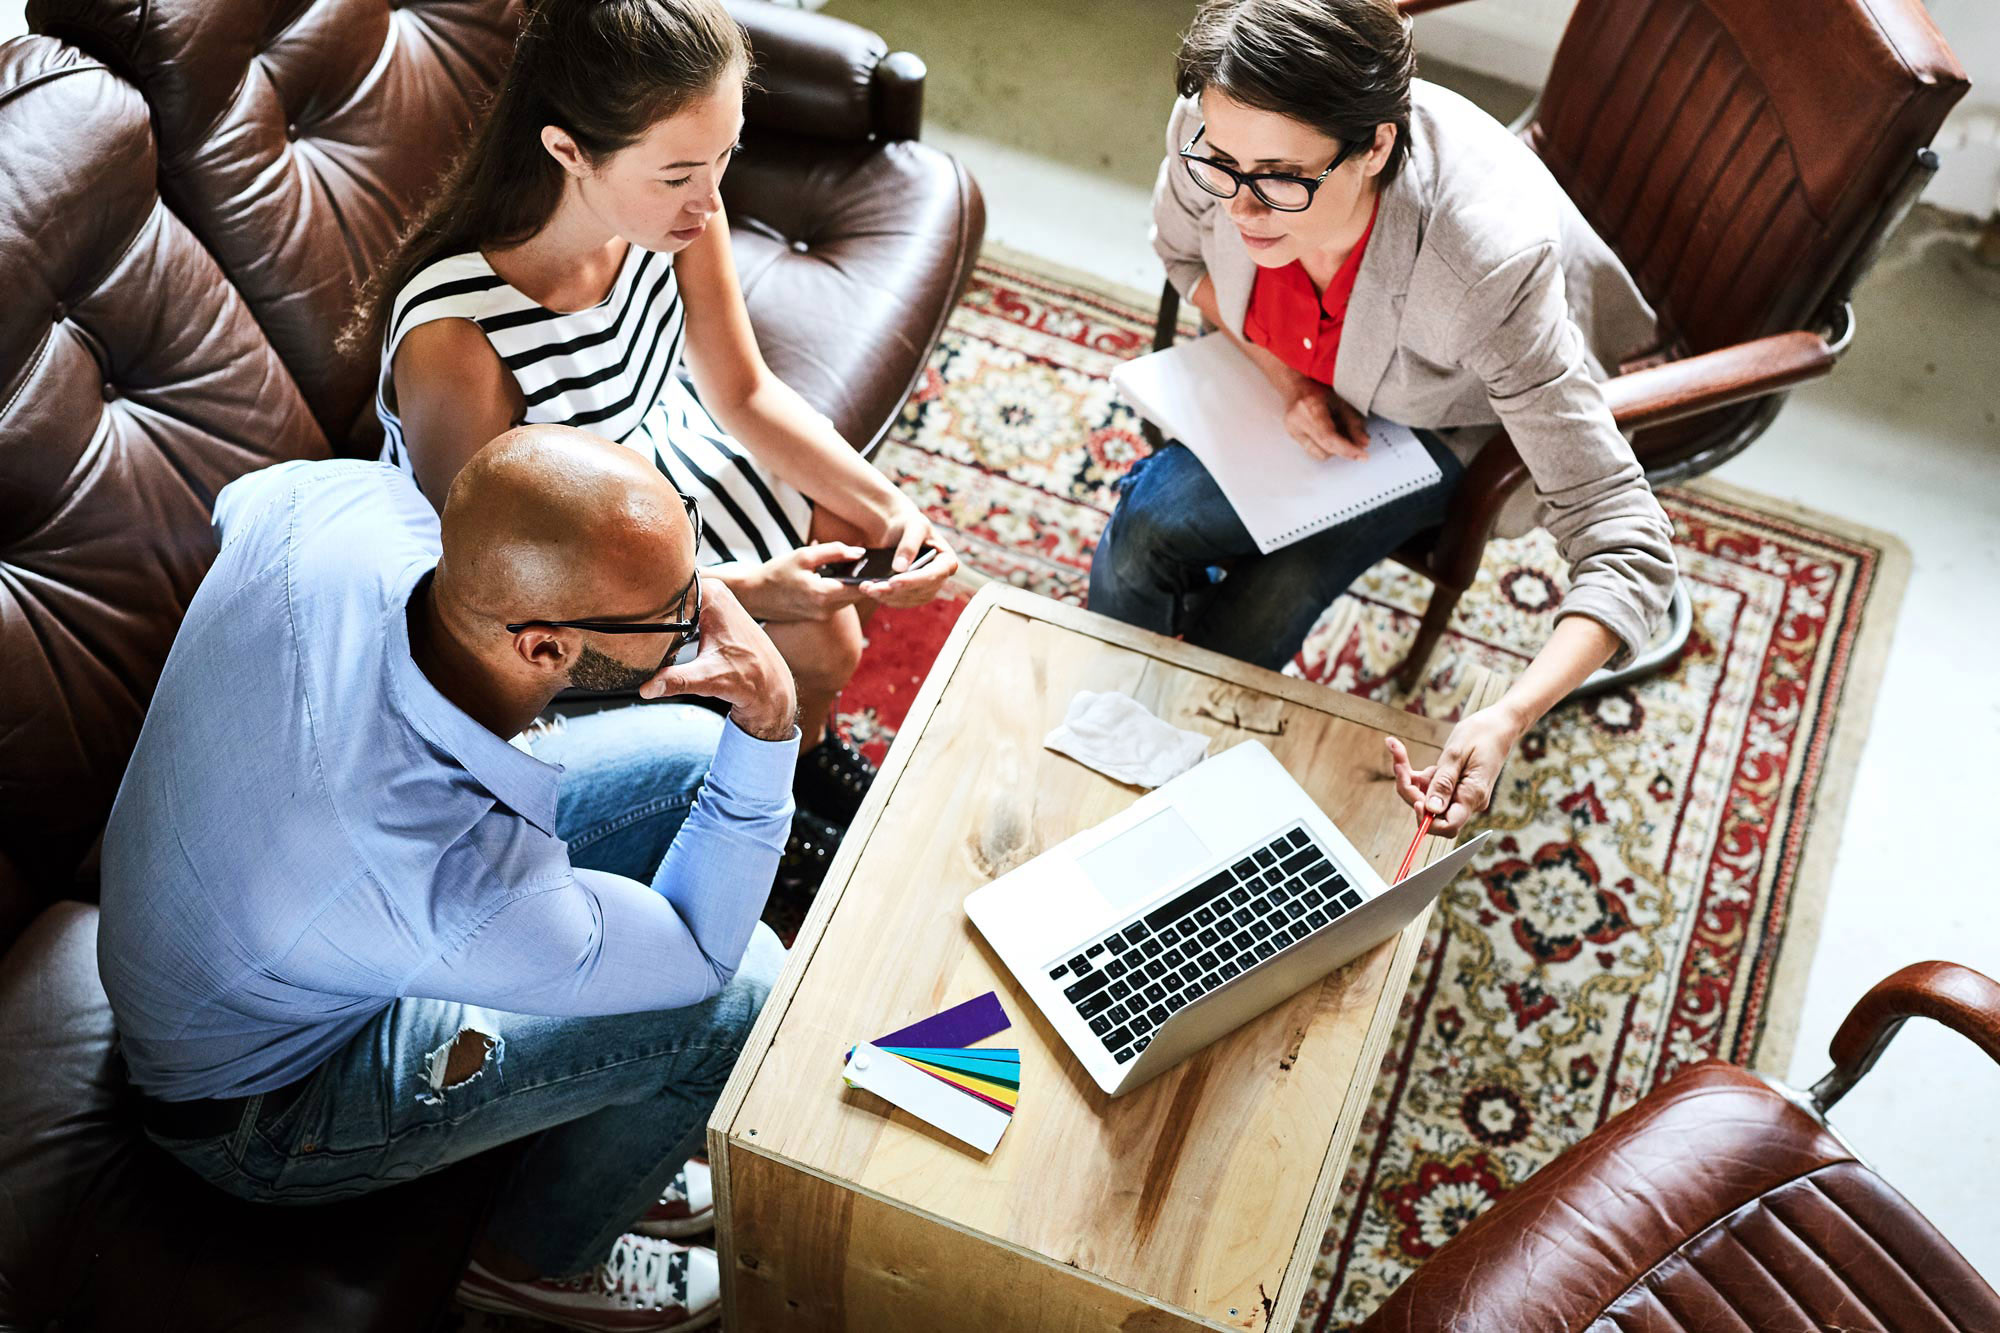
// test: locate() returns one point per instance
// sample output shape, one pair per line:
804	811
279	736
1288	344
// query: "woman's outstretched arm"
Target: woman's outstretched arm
783	431
1463	780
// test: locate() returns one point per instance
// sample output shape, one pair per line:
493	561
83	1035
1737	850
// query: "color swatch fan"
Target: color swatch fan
932	1070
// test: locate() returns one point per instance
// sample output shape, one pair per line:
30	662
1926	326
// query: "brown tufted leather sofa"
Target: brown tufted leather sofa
189	192
1721	1201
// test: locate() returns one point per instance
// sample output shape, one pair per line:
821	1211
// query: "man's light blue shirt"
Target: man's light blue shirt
309	830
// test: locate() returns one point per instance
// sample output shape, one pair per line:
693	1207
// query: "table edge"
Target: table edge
856	1188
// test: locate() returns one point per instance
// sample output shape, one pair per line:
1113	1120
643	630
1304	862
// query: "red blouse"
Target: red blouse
1300	326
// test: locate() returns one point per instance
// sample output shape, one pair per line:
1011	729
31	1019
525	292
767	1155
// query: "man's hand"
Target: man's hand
790	586
737	663
1461	783
911	532
1323	424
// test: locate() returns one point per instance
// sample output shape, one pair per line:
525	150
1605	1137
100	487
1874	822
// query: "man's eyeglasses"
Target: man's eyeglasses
689	630
1274	189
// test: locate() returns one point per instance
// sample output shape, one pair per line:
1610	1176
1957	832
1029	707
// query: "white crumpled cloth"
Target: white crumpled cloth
1116	735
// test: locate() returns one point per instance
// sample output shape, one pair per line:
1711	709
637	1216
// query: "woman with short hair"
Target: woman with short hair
1378	245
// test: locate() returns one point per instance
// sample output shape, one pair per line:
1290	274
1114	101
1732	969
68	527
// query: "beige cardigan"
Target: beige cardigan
1483	297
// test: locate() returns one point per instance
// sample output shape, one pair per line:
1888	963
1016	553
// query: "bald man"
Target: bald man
355	928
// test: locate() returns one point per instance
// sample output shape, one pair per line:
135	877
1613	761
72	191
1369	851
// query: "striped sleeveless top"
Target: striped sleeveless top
613	369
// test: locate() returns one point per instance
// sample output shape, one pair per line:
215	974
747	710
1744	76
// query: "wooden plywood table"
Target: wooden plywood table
1197	1201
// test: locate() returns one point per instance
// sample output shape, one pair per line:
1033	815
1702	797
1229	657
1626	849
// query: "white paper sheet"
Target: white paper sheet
1209	396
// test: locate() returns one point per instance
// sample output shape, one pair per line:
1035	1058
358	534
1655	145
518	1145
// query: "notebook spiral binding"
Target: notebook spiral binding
1339	516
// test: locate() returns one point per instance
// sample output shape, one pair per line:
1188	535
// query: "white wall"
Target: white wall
1516	40
1510	39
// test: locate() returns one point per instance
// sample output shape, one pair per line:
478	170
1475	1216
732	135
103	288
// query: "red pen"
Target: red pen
1423	827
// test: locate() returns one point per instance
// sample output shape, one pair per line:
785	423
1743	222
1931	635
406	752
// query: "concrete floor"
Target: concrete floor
1058	107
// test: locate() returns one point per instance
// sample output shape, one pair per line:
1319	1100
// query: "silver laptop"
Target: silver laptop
1197	908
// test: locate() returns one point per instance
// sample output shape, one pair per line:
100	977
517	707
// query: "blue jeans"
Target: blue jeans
616	1103
1173	527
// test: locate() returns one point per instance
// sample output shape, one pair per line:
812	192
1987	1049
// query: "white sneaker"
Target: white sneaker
645	1285
686	1207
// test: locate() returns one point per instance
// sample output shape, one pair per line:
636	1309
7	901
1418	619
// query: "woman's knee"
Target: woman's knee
828	526
1172	514
825	654
1137	540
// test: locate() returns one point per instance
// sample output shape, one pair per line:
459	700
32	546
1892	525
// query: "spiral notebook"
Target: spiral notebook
1209	396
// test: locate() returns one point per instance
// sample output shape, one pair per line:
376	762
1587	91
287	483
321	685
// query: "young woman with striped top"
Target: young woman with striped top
575	257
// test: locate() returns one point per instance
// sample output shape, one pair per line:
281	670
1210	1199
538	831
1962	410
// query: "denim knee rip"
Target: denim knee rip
445	1067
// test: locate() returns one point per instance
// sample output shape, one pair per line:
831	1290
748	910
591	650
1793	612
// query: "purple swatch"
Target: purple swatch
960	1025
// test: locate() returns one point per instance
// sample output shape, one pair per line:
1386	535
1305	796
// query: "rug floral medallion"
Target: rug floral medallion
1628	916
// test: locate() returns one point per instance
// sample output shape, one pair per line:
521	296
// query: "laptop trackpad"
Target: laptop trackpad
1154	854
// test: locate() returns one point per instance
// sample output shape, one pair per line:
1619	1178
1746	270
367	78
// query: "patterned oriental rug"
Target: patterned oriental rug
1654	894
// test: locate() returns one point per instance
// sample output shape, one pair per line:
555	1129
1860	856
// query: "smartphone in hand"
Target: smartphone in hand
873	566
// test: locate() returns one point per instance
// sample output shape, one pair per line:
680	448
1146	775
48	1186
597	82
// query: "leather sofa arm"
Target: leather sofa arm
1963	1000
1729	375
827	78
899	96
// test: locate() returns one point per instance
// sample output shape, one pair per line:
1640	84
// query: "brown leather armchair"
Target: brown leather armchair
1721	1201
1746	162
192	190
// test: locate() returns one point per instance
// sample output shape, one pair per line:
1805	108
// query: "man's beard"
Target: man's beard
603	674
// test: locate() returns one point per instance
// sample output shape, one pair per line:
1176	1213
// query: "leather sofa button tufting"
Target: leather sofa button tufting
110	391
799	247
292	131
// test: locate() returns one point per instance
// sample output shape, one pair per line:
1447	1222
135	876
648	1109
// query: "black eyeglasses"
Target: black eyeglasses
684	648
1274	189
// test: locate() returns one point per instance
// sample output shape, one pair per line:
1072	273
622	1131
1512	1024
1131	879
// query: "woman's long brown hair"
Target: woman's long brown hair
603	71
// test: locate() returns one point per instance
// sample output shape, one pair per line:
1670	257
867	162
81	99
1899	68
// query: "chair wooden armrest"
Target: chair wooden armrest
1729	375
1963	1000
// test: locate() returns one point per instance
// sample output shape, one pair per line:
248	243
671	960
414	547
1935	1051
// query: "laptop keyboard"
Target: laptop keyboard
1129	981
